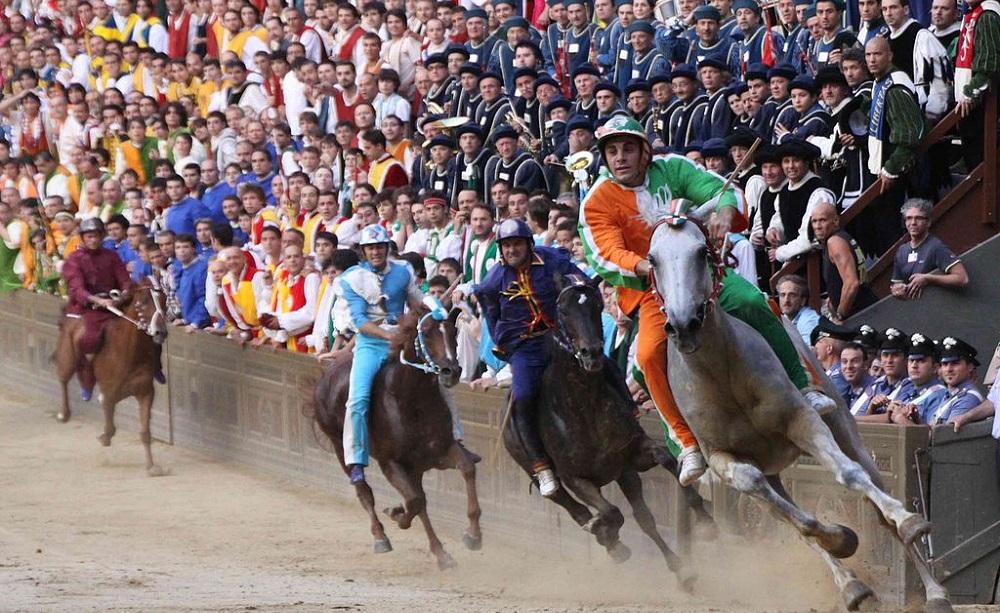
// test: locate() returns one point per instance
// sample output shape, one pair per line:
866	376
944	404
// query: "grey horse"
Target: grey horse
748	417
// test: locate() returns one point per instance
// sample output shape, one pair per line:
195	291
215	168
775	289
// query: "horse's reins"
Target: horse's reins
428	365
717	260
140	324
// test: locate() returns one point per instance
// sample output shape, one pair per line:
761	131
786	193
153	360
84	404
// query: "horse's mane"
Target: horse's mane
405	333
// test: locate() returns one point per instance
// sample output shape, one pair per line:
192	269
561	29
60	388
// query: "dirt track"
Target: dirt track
83	528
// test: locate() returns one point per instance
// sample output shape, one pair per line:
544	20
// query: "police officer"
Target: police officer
958	369
518	298
376	292
891	384
925	391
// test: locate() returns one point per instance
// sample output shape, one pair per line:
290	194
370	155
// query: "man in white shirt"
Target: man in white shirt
241	92
788	232
401	51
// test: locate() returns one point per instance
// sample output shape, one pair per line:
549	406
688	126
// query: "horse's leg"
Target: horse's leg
444	559
839	540
852	590
413	496
631	485
108	405
807	430
608	521
145	414
66	359
367	499
935	593
473	537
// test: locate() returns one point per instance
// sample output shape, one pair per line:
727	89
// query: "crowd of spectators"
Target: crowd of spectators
235	149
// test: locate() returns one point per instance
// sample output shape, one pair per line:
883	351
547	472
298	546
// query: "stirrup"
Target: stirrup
548	484
819	401
693	465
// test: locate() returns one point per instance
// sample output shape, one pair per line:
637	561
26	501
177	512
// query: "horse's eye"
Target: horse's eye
652	261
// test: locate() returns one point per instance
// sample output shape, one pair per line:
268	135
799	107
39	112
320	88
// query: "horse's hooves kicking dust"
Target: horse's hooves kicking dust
398	515
619	552
157	471
855	593
446	562
844	544
383	546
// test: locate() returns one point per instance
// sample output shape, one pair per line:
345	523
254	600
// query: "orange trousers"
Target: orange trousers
651	357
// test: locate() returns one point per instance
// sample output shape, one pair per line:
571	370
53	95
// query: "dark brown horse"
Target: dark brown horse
126	362
587	422
410	425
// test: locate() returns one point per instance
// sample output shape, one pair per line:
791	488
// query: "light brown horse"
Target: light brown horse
410	425
126	362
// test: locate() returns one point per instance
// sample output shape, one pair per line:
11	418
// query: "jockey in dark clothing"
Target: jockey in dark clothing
91	273
518	299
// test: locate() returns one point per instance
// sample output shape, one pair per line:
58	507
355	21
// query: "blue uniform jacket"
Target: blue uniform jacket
961	399
521	305
212	199
181	216
190	283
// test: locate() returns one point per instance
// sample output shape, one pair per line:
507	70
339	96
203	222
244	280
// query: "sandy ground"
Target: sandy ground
82	529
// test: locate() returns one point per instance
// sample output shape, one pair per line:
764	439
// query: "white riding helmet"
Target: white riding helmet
374	235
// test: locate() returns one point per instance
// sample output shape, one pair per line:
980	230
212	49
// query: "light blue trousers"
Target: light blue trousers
369	356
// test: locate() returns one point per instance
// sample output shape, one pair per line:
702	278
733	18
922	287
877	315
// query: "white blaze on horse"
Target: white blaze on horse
748	417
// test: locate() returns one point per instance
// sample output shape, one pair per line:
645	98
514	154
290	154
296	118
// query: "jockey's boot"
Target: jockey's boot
548	484
85	373
159	377
693	465
820	402
357	474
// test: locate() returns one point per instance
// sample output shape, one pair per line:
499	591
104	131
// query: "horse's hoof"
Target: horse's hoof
156	471
398	515
938	605
472	543
105	440
593	524
619	552
686	580
912	528
855	593
383	546
844	544
63	417
446	562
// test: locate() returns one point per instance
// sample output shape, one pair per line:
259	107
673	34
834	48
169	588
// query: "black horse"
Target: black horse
587	421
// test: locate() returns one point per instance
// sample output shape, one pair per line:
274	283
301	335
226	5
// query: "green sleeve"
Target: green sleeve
907	128
697	185
986	59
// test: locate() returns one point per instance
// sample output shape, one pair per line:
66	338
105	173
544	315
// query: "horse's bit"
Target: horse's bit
717	261
428	364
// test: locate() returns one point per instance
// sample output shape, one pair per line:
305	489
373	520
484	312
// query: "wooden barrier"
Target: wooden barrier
245	405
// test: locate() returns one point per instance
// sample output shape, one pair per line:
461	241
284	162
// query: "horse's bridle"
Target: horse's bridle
717	260
141	324
427	364
559	335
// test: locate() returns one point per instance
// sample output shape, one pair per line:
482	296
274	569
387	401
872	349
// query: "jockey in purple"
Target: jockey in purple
518	299
91	273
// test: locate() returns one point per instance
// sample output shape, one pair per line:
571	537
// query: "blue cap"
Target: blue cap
746	4
684	70
737	88
921	346
516	22
609	86
756	70
497	3
619	3
660	77
441	141
782	70
525	72
476	13
546	79
714	148
693	146
469	128
707	11
579	122
587	69
570	3
470	68
436	58
954	349
504	131
456	48
642	25
712	62
803	82
639	85
490	75
558	102
741	136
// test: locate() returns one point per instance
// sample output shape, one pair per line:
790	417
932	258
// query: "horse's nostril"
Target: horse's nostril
669	328
695	325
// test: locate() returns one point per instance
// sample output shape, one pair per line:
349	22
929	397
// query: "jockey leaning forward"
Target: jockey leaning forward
518	299
91	274
376	291
616	243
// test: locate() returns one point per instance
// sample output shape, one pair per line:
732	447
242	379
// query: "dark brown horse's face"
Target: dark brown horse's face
148	307
439	340
579	309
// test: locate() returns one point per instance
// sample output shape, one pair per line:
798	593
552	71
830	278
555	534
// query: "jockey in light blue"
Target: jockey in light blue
376	291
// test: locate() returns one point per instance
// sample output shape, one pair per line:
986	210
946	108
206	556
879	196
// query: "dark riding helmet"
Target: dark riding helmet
514	228
91	224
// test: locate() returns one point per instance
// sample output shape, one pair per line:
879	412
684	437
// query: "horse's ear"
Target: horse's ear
703	211
560	281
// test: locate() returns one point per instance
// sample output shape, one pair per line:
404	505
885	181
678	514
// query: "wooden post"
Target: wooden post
990	183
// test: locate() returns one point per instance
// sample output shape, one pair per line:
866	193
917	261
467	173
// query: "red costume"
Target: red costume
89	273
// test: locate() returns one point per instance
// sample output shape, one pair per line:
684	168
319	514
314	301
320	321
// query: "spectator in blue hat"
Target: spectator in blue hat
715	156
566	46
813	120
465	96
924	389
664	104
470	165
778	106
526	105
502	62
494	106
511	164
708	44
637	100
480	44
718	117
607	98
758	44
686	122
585	79
644	60
958	371
441	81
796	43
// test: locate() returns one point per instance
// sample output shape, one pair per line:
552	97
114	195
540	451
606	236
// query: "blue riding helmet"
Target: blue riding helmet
514	228
374	235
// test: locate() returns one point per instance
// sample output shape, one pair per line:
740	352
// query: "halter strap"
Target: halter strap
428	364
718	261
